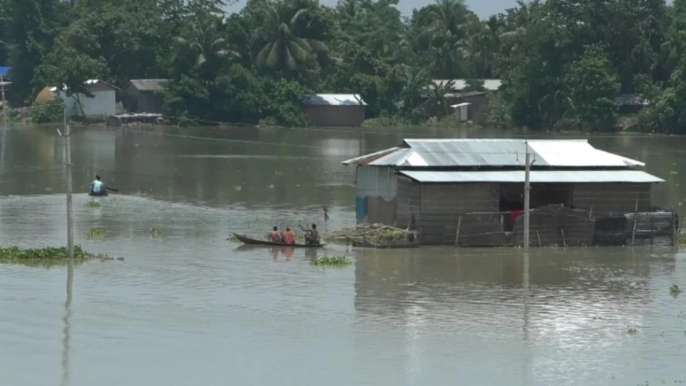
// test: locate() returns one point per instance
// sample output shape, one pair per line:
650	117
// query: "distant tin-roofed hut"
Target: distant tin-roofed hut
335	109
145	95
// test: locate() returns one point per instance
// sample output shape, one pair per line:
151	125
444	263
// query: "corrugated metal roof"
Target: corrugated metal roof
495	152
461	84
334	100
537	176
90	82
150	84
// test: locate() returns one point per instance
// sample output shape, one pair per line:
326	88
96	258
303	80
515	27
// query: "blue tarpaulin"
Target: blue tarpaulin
361	208
4	71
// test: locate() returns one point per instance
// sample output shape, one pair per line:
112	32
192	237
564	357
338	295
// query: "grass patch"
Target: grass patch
154	233
93	204
333	261
43	256
675	291
632	331
96	234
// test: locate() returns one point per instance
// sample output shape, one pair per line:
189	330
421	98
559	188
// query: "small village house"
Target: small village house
335	109
101	103
478	100
437	186
145	95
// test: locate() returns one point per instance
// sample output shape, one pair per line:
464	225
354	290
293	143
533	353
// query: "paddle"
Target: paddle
112	189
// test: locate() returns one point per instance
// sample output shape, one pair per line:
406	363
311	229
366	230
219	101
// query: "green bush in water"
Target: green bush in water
97	234
15	254
333	261
93	204
675	291
47	112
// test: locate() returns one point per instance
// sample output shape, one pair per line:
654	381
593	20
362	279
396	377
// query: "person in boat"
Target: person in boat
97	187
274	236
312	236
289	237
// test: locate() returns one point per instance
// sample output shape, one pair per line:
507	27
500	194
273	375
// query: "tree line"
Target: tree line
563	63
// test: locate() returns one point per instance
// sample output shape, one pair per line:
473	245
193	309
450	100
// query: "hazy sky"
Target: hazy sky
483	8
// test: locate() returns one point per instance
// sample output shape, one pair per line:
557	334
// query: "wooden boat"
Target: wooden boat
250	241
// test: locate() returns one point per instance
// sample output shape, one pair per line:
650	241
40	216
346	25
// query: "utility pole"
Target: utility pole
4	103
527	196
70	209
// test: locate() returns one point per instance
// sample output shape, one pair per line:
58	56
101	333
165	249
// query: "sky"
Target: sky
483	8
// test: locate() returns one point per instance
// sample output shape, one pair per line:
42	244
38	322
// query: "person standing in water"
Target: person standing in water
97	186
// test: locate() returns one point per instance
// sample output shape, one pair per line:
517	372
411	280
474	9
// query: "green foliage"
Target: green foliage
93	205
96	234
333	261
16	254
47	112
674	291
154	233
562	62
593	88
632	331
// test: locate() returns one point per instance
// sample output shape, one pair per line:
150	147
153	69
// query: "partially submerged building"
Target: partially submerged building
335	109
470	191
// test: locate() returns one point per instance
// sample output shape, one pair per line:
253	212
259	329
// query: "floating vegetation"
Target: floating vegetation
43	256
97	234
632	331
154	233
675	291
93	204
233	239
373	236
333	261
681	239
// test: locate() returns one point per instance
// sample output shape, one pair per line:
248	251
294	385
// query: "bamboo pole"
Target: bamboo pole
527	197
564	240
633	232
457	234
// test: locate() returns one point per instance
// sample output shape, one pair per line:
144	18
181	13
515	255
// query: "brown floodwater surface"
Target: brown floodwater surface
189	307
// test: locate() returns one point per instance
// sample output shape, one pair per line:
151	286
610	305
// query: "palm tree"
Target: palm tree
448	19
416	83
203	40
284	47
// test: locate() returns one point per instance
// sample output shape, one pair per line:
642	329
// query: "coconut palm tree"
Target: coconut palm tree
203	40
284	47
448	19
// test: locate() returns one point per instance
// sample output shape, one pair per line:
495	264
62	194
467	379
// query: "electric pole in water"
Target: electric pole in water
527	195
70	213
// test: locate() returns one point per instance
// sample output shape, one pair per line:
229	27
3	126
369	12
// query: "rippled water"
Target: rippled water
191	308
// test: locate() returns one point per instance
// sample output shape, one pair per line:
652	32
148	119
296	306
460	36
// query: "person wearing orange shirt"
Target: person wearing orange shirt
289	237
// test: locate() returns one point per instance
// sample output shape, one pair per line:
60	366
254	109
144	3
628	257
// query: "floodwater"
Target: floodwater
191	308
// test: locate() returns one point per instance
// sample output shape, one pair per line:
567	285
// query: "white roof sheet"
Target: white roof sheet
536	176
89	82
461	84
495	153
334	100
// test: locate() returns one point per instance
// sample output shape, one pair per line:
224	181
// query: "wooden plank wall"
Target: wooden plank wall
408	202
612	197
443	204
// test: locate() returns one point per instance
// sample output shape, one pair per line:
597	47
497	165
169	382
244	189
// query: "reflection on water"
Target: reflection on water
67	324
189	307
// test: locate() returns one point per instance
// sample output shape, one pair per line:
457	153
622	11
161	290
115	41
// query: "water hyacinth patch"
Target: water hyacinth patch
154	233
675	291
97	234
16	254
93	204
333	261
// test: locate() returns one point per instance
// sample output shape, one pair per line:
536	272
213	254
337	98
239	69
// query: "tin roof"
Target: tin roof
149	84
334	100
494	153
461	84
536	176
90	82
